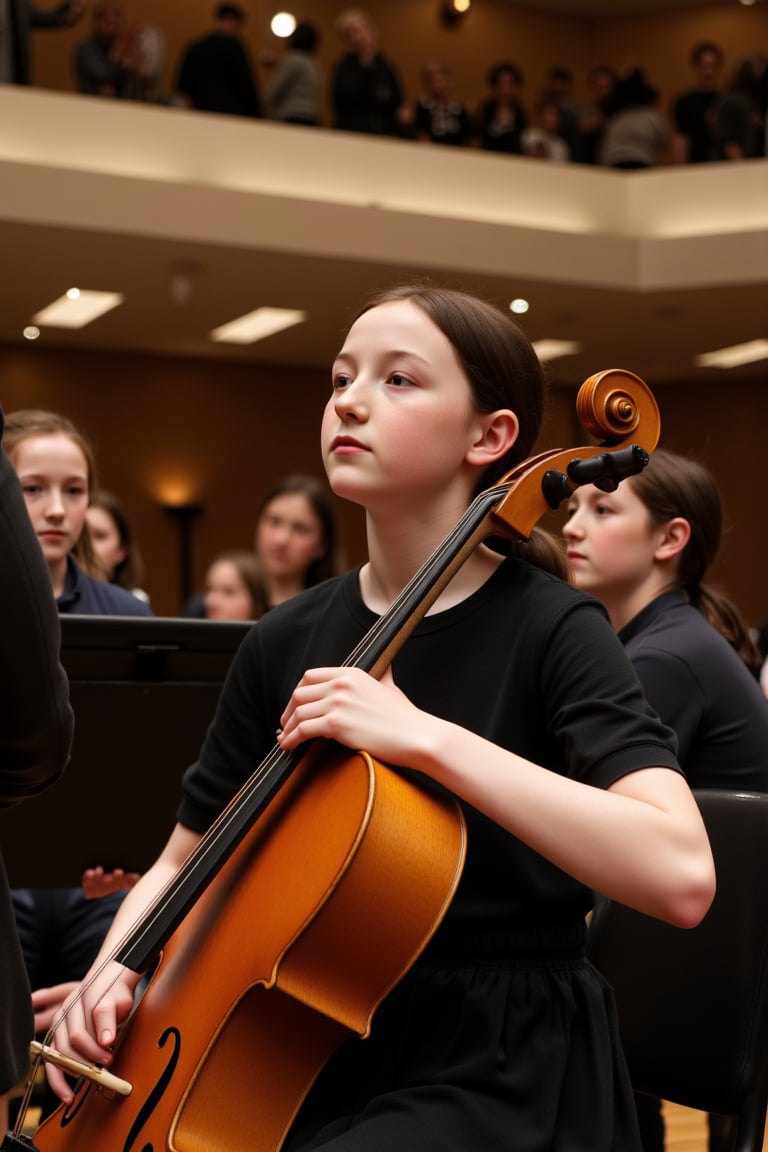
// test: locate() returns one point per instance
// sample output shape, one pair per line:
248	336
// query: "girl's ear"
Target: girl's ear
495	433
675	536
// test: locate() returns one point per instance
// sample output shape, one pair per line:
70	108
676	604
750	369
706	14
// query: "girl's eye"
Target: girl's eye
341	380
399	380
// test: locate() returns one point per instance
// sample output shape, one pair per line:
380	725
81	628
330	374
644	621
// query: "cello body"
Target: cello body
306	925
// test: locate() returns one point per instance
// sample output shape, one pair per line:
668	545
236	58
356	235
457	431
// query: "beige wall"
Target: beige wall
210	428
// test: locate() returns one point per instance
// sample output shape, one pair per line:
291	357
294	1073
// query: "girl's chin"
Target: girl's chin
55	554
345	483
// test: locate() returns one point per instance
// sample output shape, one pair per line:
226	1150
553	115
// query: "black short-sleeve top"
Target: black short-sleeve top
527	661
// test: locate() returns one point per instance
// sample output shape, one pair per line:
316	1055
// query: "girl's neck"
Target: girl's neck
58	571
397	550
624	608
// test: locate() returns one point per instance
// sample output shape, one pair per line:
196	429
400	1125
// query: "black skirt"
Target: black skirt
517	1052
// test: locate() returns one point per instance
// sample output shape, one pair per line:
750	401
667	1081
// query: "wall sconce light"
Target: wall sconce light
184	515
452	11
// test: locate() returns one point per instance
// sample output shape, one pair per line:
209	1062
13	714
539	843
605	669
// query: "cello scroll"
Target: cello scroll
615	405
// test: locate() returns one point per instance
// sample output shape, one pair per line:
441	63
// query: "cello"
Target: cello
333	938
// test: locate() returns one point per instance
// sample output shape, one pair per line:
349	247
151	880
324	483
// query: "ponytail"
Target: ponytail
719	611
671	486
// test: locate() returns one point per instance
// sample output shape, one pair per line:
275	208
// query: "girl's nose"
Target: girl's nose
55	505
351	400
571	527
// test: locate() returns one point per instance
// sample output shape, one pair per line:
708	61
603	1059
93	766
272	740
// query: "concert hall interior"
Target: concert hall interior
197	218
194	219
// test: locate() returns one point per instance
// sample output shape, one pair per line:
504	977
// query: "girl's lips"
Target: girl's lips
347	444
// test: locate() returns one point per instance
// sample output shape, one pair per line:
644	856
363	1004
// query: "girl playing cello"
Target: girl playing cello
514	694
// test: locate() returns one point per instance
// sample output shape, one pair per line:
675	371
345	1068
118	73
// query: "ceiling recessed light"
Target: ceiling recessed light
76	308
553	349
31	332
283	24
734	355
519	306
257	325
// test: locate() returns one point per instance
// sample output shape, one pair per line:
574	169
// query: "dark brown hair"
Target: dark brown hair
672	486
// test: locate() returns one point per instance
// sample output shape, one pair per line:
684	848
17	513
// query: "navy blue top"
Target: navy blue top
702	689
87	596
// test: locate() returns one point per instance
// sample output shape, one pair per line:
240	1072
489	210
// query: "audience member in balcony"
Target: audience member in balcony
558	90
17	17
366	91
691	109
635	132
216	72
294	92
437	117
593	115
151	49
738	114
110	61
544	140
502	118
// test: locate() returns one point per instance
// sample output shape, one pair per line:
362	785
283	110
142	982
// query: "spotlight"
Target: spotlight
453	10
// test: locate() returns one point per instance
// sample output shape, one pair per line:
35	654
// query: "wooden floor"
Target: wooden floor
687	1130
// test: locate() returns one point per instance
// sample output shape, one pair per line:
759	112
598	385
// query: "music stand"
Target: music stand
144	690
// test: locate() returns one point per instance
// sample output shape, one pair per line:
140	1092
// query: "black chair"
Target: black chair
693	1004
